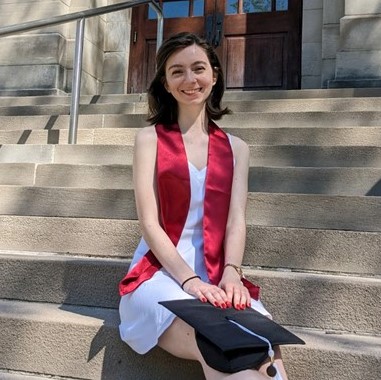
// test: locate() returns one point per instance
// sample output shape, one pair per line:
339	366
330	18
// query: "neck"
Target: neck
195	121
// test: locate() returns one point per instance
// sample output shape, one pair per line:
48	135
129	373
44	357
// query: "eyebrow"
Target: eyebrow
177	65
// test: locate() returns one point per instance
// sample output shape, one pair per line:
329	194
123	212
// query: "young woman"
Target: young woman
190	182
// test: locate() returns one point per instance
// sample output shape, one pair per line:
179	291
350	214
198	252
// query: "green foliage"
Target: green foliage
257	6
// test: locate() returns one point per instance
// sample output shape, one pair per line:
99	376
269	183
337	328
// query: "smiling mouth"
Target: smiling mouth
191	92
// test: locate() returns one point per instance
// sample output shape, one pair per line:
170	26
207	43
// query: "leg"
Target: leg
179	340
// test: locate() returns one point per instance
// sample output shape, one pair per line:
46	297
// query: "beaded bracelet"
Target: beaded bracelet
188	279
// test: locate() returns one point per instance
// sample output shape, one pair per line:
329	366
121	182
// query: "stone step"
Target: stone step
268	119
315	156
340	251
67	175
54	122
319	136
355	213
260	155
236	120
83	343
9	101
229	95
77	342
84	176
17	174
330	181
261	119
109	136
54	136
6	375
304	105
84	109
333	181
68	154
238	105
303	94
67	202
284	292
258	102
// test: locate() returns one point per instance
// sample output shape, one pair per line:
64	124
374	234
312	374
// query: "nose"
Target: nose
190	76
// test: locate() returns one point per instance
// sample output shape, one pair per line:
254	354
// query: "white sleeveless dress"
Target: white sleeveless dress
143	320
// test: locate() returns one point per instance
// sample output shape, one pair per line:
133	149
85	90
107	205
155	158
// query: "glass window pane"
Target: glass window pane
256	6
231	7
172	9
281	5
249	6
198	8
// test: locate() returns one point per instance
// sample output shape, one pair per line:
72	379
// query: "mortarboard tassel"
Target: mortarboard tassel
271	370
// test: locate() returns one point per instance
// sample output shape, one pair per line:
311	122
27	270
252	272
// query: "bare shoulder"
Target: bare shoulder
240	148
146	137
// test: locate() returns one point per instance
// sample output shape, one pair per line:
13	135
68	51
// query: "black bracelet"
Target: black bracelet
188	279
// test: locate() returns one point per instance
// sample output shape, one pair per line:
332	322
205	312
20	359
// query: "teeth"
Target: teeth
190	92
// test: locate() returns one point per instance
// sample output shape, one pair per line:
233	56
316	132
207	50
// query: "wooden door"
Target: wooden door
258	41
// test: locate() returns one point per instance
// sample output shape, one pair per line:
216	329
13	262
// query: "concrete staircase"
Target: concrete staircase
68	229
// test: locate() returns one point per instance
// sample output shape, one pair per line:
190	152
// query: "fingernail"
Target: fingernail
216	303
223	306
203	299
243	306
228	304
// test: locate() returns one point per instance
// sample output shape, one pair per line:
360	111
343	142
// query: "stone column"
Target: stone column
312	43
358	60
116	48
104	55
41	62
333	11
30	63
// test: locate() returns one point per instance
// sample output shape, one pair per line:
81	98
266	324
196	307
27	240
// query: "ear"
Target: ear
166	86
215	76
164	82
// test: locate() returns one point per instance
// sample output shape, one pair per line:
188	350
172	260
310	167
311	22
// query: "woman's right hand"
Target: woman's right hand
206	292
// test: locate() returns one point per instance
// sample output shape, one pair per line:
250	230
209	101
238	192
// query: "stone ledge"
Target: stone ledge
83	342
354	83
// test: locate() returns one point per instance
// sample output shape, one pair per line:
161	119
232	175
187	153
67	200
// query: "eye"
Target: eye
176	72
199	69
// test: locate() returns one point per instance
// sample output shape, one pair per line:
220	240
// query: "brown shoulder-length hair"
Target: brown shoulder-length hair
162	106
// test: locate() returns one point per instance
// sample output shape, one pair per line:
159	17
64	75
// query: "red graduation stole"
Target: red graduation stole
173	187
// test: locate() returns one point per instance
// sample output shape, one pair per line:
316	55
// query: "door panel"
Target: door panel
258	41
258	51
269	36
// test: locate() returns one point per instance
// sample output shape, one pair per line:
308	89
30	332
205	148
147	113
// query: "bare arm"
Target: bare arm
147	206
236	227
148	213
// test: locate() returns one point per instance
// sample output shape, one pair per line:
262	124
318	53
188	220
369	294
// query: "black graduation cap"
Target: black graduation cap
232	340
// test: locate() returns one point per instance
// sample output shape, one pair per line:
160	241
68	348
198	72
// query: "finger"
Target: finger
201	296
248	298
237	298
229	294
241	297
216	297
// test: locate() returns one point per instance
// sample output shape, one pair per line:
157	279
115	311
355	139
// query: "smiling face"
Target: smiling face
189	76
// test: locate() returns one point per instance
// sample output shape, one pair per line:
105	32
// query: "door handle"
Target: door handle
218	32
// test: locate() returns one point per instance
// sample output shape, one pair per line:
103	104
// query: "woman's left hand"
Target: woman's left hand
238	295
